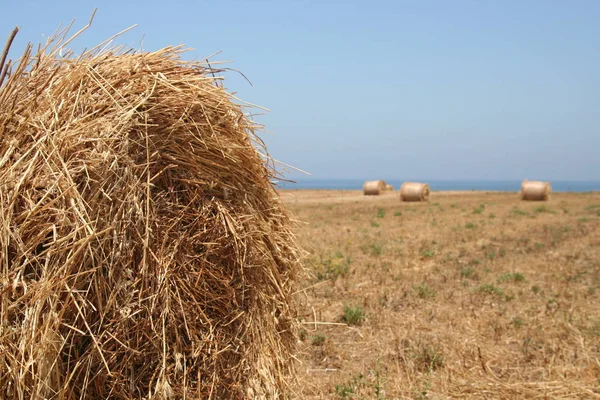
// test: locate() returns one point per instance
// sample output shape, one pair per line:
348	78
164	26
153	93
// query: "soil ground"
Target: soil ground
471	295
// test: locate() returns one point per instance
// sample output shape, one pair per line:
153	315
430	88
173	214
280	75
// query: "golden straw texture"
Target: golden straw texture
144	250
535	190
374	188
414	191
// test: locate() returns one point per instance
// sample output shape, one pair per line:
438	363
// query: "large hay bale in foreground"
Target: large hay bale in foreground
535	190
144	251
374	188
414	191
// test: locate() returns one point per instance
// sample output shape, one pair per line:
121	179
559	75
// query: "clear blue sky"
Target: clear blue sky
398	89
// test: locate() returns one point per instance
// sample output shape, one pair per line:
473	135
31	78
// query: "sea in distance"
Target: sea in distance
439	185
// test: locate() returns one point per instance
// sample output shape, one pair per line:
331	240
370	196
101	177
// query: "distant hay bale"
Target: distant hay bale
144	251
535	190
389	187
374	188
414	191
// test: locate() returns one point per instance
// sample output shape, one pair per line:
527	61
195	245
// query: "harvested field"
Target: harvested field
472	295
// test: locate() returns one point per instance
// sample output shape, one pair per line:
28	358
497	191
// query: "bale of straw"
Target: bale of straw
535	190
144	250
389	187
374	188
414	191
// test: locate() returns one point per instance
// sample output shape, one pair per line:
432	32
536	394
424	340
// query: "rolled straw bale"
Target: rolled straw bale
373	188
414	191
144	251
389	187
535	190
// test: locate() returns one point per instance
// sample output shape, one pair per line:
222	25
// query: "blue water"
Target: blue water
503	186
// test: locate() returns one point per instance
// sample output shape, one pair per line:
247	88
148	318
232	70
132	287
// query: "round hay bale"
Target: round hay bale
389	187
535	190
145	253
414	191
374	188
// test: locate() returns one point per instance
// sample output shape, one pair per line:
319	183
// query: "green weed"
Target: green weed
353	315
517	322
479	209
591	290
317	339
332	267
511	277
468	272
344	391
489	288
427	356
424	291
376	249
428	253
349	389
423	394
544	209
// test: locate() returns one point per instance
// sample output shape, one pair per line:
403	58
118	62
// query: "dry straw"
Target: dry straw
389	187
414	191
145	253
535	190
374	188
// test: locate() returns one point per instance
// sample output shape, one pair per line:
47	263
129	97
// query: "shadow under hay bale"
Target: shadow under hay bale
414	191
145	253
535	190
374	188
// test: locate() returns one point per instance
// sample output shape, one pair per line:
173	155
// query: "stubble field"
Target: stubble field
470	295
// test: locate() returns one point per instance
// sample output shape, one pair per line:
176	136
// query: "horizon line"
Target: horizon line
439	179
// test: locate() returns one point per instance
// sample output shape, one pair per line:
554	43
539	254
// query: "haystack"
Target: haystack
535	190
389	187
414	191
145	253
374	188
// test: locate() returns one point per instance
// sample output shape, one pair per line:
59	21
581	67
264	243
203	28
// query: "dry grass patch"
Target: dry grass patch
504	309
